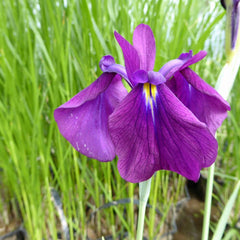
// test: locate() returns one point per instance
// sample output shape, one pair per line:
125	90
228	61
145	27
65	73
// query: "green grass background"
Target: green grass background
49	51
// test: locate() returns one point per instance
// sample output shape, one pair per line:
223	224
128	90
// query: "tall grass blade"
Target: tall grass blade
218	233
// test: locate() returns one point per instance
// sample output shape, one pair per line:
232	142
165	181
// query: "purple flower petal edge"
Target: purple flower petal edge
204	101
83	120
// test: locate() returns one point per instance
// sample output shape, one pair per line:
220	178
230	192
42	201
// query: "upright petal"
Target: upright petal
202	99
83	120
159	134
131	58
144	43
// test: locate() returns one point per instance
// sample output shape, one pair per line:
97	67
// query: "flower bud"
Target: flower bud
232	27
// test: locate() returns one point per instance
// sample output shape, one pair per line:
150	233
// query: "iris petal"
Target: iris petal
191	60
159	134
131	58
140	76
107	64
132	131
185	144
83	120
156	78
184	60
144	43
202	99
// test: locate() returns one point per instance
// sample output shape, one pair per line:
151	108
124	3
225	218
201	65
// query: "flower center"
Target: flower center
150	91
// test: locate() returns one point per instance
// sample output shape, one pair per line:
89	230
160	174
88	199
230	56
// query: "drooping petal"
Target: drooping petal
132	131
202	99
83	120
144	43
185	144
181	88
131	58
159	133
184	60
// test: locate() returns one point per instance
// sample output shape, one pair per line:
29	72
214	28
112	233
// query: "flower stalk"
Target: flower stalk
144	191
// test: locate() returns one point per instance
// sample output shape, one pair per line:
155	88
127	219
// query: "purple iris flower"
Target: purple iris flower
167	120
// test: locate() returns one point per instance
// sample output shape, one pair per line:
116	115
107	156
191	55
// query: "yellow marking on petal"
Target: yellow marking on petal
150	94
150	91
146	88
154	91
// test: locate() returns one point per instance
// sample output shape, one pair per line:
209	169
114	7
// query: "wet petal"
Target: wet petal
131	58
202	99
184	60
144	43
83	120
159	134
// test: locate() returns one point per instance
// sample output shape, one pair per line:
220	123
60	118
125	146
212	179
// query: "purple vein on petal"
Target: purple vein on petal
159	134
131	129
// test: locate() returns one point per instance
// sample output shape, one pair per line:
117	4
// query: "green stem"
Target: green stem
208	203
144	191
